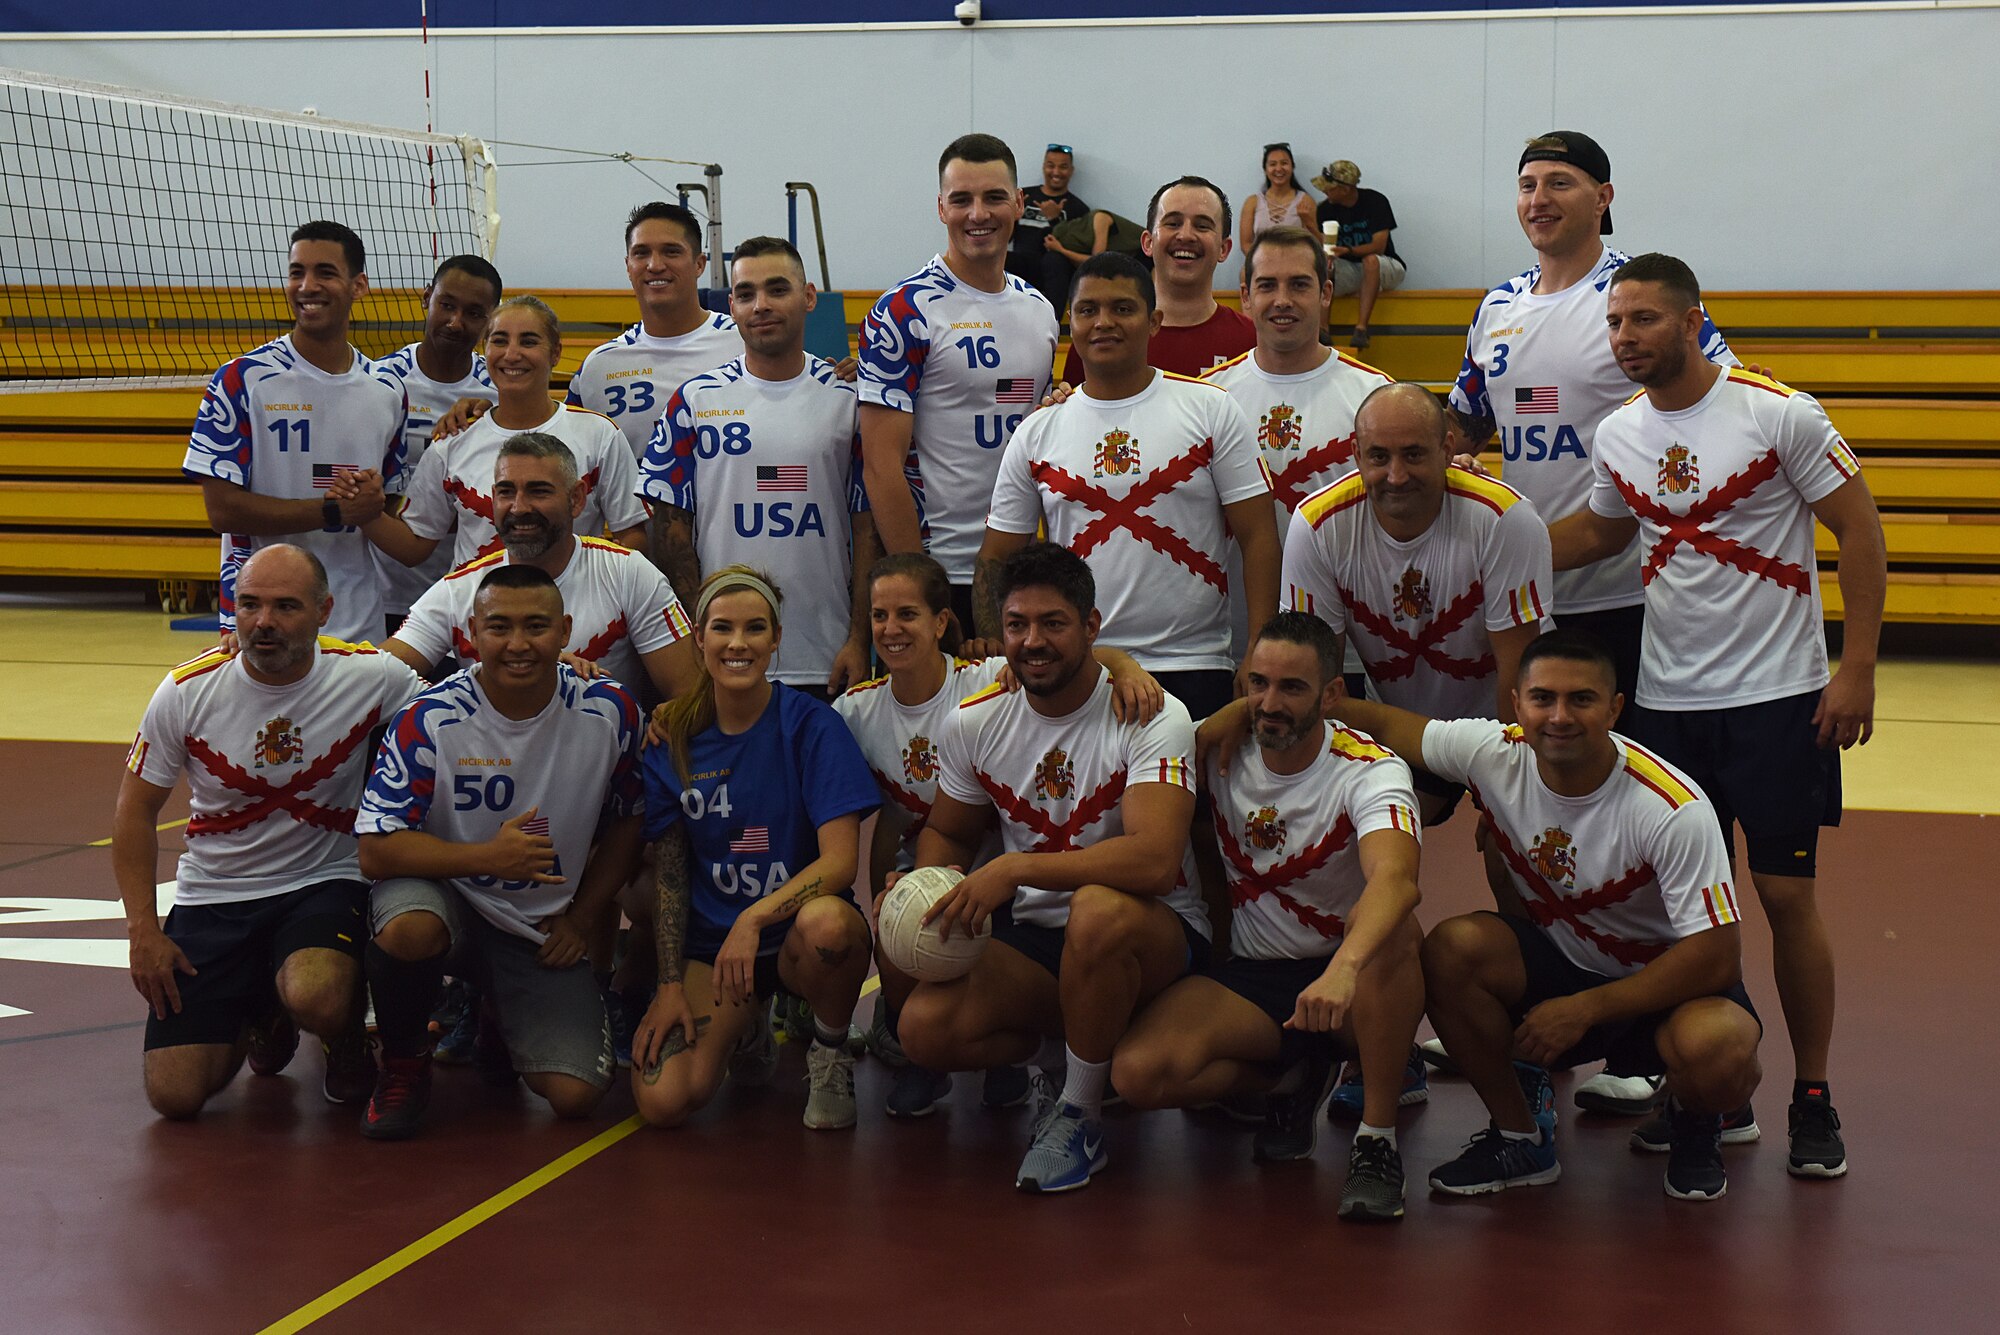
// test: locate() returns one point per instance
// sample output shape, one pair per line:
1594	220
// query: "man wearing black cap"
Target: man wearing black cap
1539	371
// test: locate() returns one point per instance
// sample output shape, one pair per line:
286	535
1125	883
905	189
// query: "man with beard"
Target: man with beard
1093	817
624	619
266	932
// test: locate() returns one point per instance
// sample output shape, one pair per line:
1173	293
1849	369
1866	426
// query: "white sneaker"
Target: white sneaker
1620	1095
830	1082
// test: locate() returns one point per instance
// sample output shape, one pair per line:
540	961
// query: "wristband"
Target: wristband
329	510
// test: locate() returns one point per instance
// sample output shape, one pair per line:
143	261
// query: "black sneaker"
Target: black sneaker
1004	1087
1817	1149
1374	1188
273	1040
350	1068
402	1092
1694	1160
914	1091
1493	1161
1655	1135
1291	1119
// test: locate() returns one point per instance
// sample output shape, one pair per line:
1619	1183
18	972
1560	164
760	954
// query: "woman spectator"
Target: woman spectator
1281	203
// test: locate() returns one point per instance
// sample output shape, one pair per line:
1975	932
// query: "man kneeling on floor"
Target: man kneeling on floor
1633	951
266	932
1094	826
484	801
1318	827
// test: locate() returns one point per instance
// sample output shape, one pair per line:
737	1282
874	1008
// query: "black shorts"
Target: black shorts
239	948
764	976
1761	766
1202	690
1044	945
1273	986
1627	1046
961	607
1426	782
1623	630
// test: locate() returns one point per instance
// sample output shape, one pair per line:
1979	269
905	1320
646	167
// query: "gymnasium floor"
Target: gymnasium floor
272	1213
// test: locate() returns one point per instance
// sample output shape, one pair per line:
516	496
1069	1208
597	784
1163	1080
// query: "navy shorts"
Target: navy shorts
1627	1047
1202	690
1761	766
1273	986
1623	631
239	948
1044	945
764	976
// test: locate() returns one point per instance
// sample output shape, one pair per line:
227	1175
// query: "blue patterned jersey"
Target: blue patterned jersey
428	401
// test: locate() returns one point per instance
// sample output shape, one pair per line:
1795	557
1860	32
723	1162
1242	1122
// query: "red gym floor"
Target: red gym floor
271	1212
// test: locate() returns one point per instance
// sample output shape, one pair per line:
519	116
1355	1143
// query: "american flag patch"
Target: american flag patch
1540	399
325	475
781	477
753	839
1018	390
538	825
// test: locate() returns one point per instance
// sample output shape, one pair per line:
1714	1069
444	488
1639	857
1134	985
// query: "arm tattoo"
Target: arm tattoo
793	902
985	600
672	889
673	551
1478	430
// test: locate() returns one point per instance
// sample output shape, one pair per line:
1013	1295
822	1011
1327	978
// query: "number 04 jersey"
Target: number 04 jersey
455	767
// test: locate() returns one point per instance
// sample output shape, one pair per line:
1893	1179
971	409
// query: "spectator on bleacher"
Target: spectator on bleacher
1187	236
1049	205
1077	239
296	440
1356	224
1281	203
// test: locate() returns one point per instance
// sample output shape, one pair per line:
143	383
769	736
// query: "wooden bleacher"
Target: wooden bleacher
90	481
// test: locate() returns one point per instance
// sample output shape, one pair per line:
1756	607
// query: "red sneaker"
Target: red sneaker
402	1092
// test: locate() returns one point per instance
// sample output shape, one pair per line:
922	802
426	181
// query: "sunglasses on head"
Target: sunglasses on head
1062	148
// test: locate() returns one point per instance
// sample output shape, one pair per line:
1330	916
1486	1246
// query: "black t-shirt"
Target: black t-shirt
1368	214
1033	226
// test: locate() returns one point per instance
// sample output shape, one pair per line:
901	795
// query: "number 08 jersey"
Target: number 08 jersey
455	767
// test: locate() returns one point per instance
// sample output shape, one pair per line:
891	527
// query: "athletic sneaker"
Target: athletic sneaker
350	1068
1817	1149
888	1049
755	1060
1004	1087
273	1040
624	1022
1436	1057
1374	1187
456	1046
1491	1161
402	1092
1047	1092
1349	1097
830	1088
1540	1092
1291	1119
1620	1095
1694	1161
1655	1135
1066	1152
914	1090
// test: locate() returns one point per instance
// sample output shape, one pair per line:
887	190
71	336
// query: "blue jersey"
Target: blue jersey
754	807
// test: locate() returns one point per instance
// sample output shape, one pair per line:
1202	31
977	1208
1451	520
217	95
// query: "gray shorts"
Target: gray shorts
552	1019
1347	275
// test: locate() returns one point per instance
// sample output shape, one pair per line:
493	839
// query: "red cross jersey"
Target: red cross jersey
455	767
427	401
274	772
620	606
1614	878
1289	841
453	486
1056	782
1136	486
1723	493
1304	423
900	741
1420	611
631	378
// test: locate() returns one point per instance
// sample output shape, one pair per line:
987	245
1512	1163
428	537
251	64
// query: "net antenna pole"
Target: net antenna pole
430	126
711	204
792	189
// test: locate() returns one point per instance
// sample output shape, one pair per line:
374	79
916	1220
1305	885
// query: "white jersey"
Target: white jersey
631	378
1723	494
276	425
453	486
456	768
1616	877
771	472
619	606
427	401
1304	422
969	365
1421	612
1137	486
900	741
1540	366
1290	842
1057	781
274	772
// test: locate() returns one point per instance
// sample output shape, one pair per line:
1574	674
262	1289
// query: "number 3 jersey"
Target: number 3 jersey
752	805
771	471
1290	841
455	767
274	771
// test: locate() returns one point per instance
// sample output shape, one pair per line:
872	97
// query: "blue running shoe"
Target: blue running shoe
1346	1103
1493	1162
1540	1092
1066	1152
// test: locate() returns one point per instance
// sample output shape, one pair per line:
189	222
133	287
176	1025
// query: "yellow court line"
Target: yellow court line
170	825
336	1298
